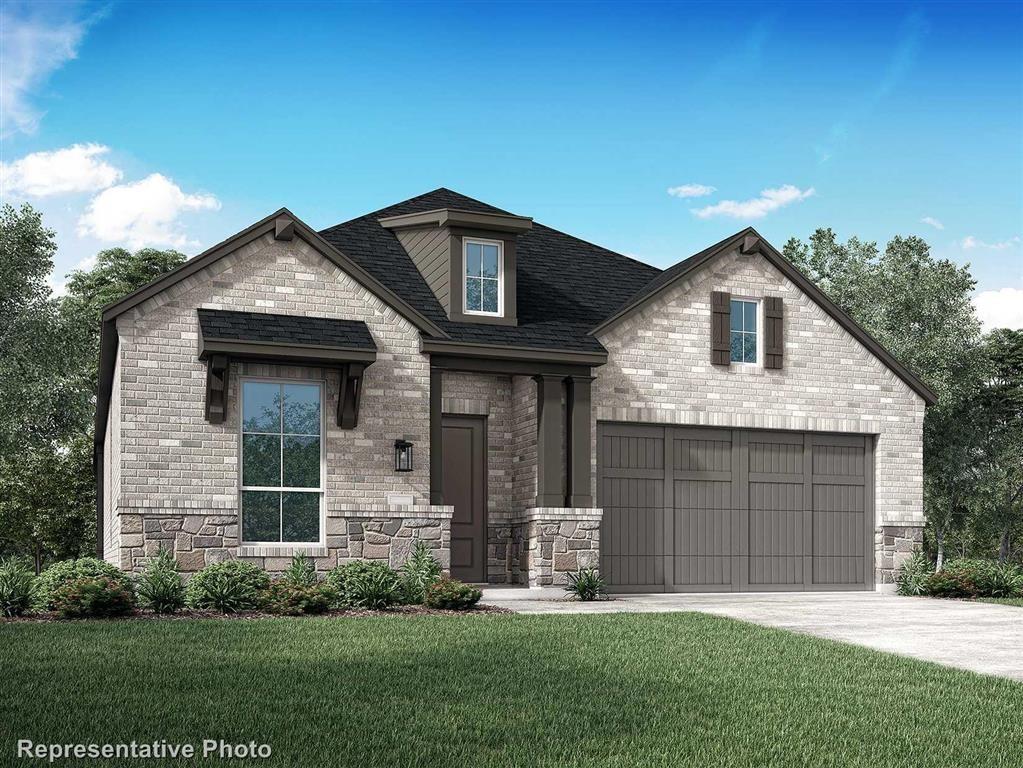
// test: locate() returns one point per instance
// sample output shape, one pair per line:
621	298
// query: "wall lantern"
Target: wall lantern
402	456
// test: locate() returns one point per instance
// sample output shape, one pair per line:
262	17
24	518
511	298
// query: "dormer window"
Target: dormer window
484	273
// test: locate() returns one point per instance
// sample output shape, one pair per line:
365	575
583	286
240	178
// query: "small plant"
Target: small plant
992	579
160	587
17	584
69	570
228	587
373	588
292	599
420	570
93	597
452	595
586	584
913	575
950	583
365	584
301	572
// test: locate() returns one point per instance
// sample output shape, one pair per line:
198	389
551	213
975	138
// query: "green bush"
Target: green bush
586	584
912	578
229	586
290	599
93	597
70	570
365	584
452	594
991	579
17	584
301	572
420	570
160	587
946	583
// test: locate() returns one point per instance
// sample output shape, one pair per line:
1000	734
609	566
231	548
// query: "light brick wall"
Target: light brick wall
659	371
172	459
524	441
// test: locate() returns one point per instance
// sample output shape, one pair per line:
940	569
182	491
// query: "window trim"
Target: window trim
321	384
466	241
759	362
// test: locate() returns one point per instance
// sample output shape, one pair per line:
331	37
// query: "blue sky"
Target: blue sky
179	124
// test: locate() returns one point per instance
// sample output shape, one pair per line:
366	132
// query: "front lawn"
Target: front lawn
500	690
1017	601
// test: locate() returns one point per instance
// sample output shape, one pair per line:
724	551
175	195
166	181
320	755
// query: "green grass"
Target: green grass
1002	600
499	690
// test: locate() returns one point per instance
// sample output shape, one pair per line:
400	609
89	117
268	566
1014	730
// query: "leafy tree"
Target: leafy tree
49	351
1000	411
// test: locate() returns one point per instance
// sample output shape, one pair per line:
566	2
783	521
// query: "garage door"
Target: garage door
691	509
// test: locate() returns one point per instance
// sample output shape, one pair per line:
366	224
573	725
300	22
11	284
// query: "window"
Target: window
744	316
483	271
282	486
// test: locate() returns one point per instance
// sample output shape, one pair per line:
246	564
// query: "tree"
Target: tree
1000	409
49	351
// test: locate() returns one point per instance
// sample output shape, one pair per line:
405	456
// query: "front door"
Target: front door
465	488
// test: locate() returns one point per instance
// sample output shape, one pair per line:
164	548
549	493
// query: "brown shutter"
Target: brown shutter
774	338
720	313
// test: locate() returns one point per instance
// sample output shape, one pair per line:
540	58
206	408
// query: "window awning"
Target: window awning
318	341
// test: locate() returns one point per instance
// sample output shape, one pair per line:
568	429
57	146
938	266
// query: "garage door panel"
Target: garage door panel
709	509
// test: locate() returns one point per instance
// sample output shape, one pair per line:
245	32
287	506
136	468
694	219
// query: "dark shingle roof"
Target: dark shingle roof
285	329
566	286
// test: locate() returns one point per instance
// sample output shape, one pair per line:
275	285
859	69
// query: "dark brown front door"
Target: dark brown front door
465	488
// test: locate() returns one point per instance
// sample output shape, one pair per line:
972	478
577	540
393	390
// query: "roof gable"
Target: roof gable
750	241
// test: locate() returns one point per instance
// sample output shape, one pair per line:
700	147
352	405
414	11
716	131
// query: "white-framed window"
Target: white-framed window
483	273
745	334
281	461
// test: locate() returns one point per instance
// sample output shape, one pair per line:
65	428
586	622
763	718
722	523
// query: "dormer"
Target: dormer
467	258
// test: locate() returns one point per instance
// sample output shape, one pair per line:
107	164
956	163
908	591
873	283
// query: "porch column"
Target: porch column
436	436
579	447
550	418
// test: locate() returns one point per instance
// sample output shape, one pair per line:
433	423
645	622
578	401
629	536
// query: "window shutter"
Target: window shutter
720	313
774	339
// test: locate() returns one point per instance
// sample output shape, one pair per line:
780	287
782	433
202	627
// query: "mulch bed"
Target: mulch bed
189	613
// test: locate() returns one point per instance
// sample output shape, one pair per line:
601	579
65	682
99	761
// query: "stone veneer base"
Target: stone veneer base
894	544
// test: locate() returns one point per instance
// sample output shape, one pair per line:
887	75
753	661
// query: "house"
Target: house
526	402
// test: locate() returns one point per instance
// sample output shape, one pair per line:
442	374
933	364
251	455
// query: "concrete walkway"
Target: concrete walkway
979	637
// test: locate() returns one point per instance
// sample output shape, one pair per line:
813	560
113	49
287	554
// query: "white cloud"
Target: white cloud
1000	309
758	207
691	190
143	213
933	222
35	41
78	168
970	243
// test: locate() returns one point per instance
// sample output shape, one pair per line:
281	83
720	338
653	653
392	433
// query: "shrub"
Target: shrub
372	588
912	578
17	584
301	572
160	587
950	583
292	599
586	584
228	586
420	570
94	597
70	570
991	579
365	584
452	594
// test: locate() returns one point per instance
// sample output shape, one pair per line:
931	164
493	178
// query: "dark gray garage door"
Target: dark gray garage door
691	509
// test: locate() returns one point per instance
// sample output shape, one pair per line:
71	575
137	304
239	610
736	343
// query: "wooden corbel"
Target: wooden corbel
350	395
217	367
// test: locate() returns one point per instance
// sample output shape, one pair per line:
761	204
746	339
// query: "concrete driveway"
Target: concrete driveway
976	636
